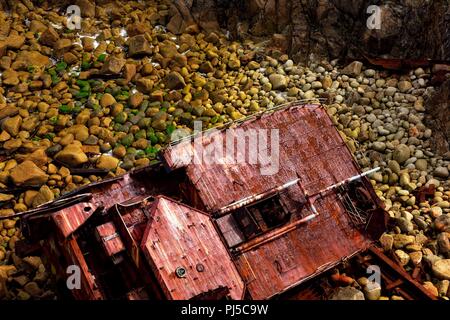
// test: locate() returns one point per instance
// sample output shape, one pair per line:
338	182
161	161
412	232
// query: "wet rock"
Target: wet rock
443	243
353	69
129	72
32	288
39	157
403	257
49	37
107	162
441	172
10	77
9	110
372	291
146	85
6	197
278	81
107	100
431	288
72	155
402	240
416	257
15	41
12	125
33	261
37	26
29	196
112	65
435	212
401	153
387	241
174	81
379	146
421	164
404	86
32	58
347	293
21	280
87	8
138	45
62	46
45	195
441	269
28	174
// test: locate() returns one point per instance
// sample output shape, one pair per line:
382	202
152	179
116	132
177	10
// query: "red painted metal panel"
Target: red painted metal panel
110	238
180	236
310	148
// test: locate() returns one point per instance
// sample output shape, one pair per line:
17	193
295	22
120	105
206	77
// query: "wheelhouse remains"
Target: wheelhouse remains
216	230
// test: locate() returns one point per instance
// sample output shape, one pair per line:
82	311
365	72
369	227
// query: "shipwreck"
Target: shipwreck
195	230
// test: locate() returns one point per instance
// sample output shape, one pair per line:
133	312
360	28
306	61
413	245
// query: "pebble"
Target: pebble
347	293
441	172
403	257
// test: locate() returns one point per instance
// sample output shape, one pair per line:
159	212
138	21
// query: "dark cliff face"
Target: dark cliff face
438	117
314	29
328	29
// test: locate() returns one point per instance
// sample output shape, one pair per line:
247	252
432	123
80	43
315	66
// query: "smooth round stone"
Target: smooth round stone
371	118
320	69
435	212
441	172
421	165
379	146
390	91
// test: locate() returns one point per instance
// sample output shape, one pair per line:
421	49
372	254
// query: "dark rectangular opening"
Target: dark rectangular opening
261	216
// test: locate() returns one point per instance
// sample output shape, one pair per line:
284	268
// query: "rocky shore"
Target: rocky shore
108	97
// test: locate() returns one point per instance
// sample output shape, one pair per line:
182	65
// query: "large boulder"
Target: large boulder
278	81
107	162
12	125
139	45
28	174
72	155
441	269
401	153
32	58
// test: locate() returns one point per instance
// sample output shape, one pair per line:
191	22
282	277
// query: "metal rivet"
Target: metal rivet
180	272
200	267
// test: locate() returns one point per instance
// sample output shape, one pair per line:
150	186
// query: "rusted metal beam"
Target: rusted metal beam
418	288
271	236
394	284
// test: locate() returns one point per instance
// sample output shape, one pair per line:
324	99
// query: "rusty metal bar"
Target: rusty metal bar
270	236
347	181
394	284
245	201
402	273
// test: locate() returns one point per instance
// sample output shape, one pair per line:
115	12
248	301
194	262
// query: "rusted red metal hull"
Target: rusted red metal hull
131	233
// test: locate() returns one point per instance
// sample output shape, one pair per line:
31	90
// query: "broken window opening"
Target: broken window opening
261	216
357	202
